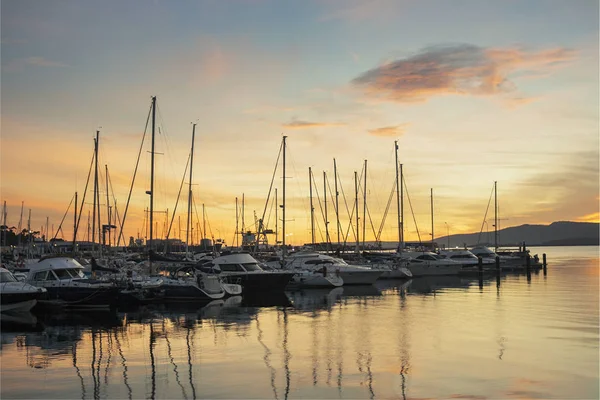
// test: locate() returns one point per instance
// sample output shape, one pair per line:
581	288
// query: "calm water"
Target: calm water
426	338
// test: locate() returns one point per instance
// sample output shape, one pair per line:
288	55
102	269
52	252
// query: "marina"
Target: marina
512	337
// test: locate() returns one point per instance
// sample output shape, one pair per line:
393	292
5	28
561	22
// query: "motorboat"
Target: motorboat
316	279
350	274
464	257
424	263
243	269
17	296
392	265
192	284
67	285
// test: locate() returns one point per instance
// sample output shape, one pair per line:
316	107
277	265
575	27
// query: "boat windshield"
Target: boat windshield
62	274
76	273
6	276
252	267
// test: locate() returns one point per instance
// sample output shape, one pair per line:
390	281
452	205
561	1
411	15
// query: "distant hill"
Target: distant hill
562	233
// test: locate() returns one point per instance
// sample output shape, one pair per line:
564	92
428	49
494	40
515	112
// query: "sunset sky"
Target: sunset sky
474	92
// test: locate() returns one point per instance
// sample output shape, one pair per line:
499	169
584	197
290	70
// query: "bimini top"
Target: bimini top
55	263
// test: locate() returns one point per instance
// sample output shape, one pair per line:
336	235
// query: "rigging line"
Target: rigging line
63	218
134	175
485	216
84	193
270	188
387	209
115	201
178	195
202	233
371	221
348	211
411	209
322	212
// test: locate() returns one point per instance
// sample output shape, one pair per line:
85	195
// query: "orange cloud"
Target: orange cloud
593	217
307	125
458	69
387	131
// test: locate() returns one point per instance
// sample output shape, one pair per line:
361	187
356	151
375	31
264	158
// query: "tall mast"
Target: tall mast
203	225
29	234
237	226
20	224
243	217
365	207
312	209
189	213
152	175
356	208
107	206
276	219
432	235
4	223
337	211
96	139
48	222
401	208
326	214
398	200
495	216
283	203
74	224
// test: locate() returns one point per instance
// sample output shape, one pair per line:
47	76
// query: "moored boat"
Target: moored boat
17	296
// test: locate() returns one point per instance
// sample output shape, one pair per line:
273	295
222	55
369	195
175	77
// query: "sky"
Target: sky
473	91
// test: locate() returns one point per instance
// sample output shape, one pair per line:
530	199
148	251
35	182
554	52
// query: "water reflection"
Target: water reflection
389	340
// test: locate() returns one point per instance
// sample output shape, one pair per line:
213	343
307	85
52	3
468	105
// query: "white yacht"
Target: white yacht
68	286
464	257
17	296
424	263
350	274
243	269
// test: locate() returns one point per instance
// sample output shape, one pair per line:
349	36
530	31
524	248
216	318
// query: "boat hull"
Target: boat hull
315	281
253	283
80	297
430	270
180	292
18	306
398	273
366	277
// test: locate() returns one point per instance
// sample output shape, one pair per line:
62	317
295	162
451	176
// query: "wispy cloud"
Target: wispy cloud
307	124
387	131
458	69
359	10
16	64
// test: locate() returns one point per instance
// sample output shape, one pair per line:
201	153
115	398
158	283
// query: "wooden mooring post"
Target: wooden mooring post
544	263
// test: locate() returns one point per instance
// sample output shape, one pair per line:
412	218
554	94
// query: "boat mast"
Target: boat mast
20	226
107	209
74	224
356	208
203	227
237	226
398	200
312	208
495	216
432	236
152	176
276	221
327	239
4	223
283	204
401	208
189	212
365	208
337	195
96	139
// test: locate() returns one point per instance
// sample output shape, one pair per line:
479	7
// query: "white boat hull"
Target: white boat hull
366	277
398	273
316	281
